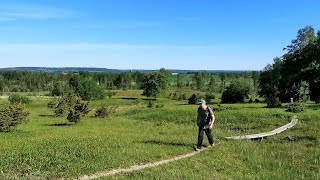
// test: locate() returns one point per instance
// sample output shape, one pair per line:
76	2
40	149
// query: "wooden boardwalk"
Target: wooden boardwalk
293	122
137	167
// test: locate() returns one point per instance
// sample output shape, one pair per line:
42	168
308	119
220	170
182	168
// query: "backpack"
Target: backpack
204	121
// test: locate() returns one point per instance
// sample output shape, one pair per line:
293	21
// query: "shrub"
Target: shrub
52	104
109	94
235	93
67	101
159	105
105	111
177	96
182	97
150	104
18	99
78	110
273	103
295	107
193	99
11	116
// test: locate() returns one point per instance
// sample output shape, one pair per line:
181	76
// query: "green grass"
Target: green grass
48	147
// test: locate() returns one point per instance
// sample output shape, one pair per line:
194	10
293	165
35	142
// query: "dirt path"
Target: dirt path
158	163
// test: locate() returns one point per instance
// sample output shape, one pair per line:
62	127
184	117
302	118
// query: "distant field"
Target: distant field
48	147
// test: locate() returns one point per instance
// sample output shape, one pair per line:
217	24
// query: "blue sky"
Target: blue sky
150	34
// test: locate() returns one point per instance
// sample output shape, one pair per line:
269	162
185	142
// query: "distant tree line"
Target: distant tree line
32	81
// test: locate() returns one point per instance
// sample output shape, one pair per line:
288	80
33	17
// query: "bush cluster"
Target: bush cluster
178	96
72	105
150	104
78	110
235	93
195	98
296	107
105	111
273	103
11	116
18	99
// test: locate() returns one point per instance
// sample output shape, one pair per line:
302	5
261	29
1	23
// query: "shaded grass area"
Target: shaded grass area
49	147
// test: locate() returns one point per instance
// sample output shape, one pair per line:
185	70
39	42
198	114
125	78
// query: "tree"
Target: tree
222	78
124	81
2	83
72	105
255	78
138	79
156	83
179	81
305	36
78	110
59	88
235	93
200	79
89	90
304	92
300	64
297	73
86	88
269	83
212	85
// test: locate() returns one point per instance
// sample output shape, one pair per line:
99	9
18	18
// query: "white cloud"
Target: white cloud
97	46
11	12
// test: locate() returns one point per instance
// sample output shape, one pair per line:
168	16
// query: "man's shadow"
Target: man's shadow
158	142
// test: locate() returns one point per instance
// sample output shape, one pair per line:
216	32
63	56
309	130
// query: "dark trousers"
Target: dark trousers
200	136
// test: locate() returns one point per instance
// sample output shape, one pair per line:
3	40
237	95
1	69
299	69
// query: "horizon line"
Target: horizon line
124	69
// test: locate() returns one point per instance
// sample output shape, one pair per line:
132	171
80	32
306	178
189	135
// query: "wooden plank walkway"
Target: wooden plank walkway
137	167
293	122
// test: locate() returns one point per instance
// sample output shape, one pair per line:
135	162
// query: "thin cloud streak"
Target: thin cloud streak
11	12
96	46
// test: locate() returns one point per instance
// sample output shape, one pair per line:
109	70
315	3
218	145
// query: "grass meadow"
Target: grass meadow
51	148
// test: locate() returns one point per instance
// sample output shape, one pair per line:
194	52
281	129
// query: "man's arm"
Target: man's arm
198	117
212	119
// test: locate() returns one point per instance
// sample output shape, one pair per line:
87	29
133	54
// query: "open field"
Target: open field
49	147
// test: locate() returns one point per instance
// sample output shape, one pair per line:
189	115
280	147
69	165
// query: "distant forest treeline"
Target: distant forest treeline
106	70
32	81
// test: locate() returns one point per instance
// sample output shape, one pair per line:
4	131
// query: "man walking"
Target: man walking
205	121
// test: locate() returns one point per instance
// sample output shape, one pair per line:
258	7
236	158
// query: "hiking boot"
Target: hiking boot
211	145
197	148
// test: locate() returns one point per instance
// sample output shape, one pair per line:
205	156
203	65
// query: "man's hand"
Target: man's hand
211	126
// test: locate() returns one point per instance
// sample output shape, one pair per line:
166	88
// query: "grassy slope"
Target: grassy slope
137	134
